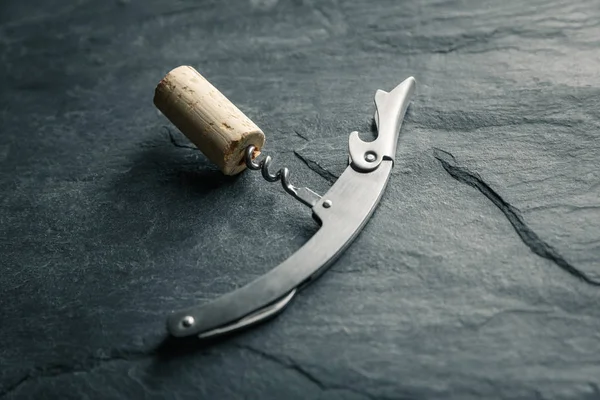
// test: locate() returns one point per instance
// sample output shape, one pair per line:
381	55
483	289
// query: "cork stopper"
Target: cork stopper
214	124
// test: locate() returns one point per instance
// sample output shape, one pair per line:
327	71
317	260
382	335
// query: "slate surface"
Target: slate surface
477	276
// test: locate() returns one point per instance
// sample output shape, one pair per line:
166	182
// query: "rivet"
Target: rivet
187	321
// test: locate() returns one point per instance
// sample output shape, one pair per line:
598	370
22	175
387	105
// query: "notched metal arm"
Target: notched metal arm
389	114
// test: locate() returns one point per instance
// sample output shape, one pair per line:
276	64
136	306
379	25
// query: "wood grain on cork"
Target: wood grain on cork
214	124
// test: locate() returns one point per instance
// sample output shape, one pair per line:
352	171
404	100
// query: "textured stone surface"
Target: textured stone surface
477	276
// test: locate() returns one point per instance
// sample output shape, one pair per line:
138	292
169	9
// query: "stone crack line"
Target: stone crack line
527	235
316	167
174	141
54	370
289	364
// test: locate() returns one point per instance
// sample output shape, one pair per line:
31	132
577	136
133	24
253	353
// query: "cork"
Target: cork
209	120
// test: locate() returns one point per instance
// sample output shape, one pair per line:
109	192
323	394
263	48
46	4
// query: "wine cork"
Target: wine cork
214	124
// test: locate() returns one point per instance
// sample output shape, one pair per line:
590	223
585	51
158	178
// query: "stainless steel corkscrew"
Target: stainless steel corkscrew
342	211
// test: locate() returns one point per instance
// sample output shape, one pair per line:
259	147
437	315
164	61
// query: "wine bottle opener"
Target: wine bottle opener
232	141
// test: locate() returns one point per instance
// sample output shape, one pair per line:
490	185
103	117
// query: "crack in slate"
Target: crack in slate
54	370
182	10
317	168
527	235
301	135
289	364
502	313
595	388
174	141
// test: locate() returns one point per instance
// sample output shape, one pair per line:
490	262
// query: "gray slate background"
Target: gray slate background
477	276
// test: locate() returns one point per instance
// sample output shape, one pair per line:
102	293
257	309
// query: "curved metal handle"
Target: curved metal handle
390	110
342	211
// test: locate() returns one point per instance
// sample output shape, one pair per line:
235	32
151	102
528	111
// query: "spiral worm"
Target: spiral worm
282	174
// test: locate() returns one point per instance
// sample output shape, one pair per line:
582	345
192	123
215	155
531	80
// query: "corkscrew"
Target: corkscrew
233	142
304	195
